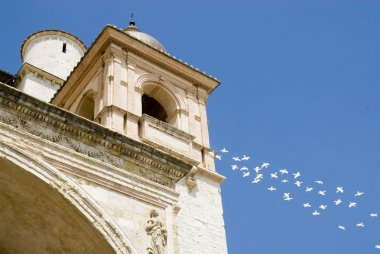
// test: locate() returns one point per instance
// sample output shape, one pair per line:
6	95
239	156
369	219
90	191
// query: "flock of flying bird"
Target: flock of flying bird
283	175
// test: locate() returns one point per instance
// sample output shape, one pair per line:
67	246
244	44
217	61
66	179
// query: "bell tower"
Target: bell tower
128	83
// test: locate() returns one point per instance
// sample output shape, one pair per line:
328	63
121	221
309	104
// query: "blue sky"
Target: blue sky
300	90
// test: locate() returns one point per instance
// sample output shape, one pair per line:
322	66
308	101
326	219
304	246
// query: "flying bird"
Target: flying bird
224	150
272	188
219	157
287	197
245	174
243	169
358	194
308	189
284	181
256	180
352	204
322	193
236	158
265	165
360	225
283	171
339	190
318	182
245	158
259	176
323	207
234	167
316	213
377	247
296	175
373	215
257	169
337	202
273	175
306	205
341	227
298	183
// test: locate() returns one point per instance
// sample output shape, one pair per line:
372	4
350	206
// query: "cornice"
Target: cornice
74	132
112	35
28	68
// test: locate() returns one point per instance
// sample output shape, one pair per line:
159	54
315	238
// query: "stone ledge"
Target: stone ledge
81	135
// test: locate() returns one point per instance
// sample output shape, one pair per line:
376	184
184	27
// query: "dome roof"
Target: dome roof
143	37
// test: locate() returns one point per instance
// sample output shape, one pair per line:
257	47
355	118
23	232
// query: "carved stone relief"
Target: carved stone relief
157	233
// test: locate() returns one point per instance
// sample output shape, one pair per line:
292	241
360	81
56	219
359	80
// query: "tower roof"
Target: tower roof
133	31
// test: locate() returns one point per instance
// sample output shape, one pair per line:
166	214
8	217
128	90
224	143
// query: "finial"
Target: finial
132	22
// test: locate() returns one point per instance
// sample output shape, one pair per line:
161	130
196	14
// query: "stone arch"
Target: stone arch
166	94
80	211
86	106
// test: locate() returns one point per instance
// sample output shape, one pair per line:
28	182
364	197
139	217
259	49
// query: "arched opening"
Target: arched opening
153	108
34	218
160	104
87	106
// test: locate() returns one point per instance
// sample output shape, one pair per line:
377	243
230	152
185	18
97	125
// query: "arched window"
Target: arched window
160	104
87	106
153	108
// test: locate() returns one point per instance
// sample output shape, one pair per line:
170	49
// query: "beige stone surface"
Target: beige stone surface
83	174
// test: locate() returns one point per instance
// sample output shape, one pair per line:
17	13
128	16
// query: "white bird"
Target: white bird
256	180
322	193
341	227
273	175
287	197
265	165
259	176
308	189
219	157
337	202
224	150
373	215
352	204
212	154
283	171
318	182
243	169
377	247
257	169
358	194
284	181
339	190
360	225
306	205
245	174
236	158
296	175
272	188
316	213
323	207
298	183
234	167
245	158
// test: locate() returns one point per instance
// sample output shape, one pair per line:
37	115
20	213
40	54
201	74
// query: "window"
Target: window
87	106
153	108
64	48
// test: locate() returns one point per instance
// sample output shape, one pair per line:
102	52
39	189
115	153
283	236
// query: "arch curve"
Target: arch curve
170	88
165	94
86	106
68	206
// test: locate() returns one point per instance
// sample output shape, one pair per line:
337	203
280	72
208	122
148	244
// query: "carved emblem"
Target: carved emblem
155	229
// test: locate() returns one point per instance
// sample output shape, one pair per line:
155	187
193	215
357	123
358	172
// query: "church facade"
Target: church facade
106	149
